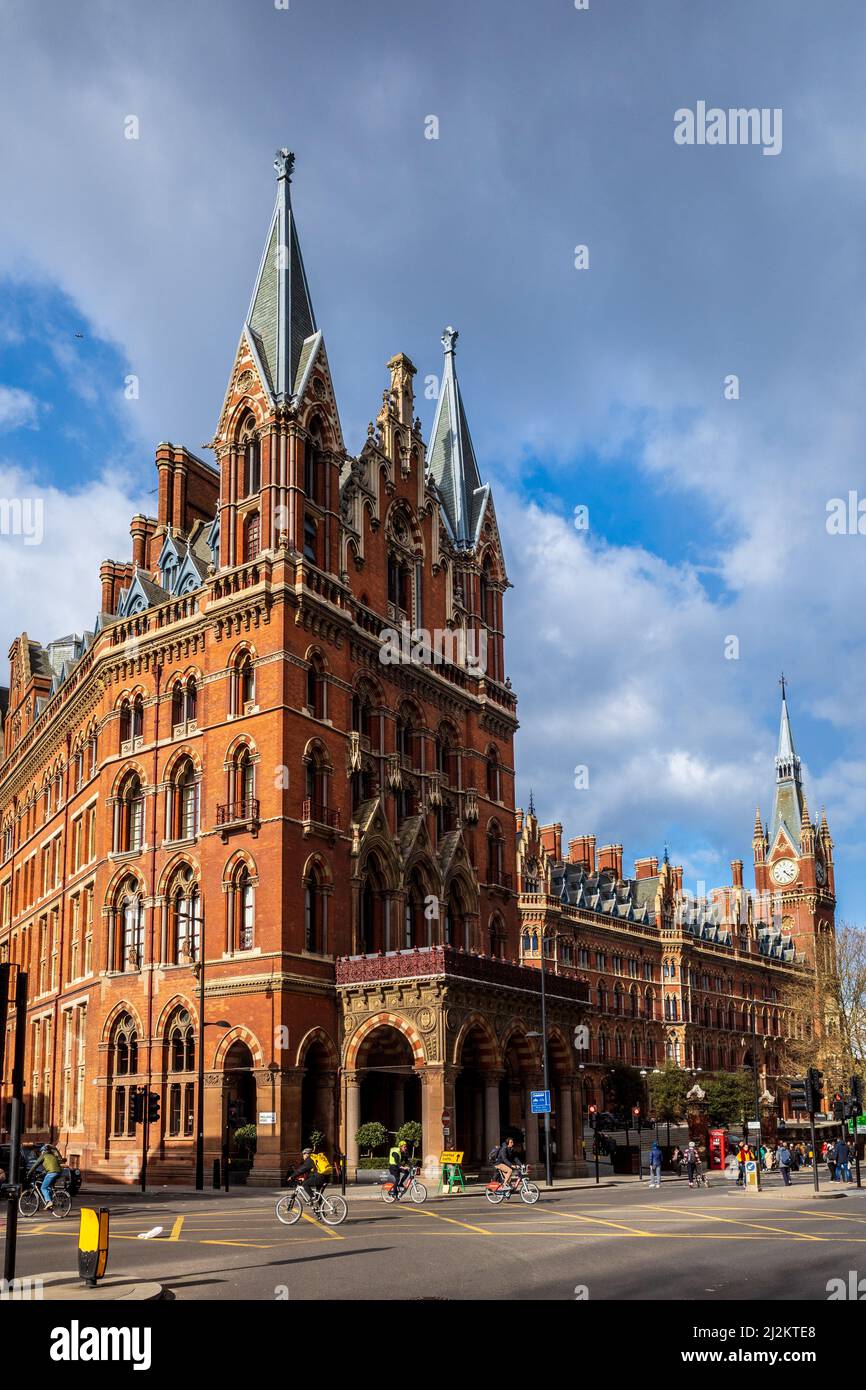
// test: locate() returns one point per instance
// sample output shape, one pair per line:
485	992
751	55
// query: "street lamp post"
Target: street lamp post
548	1178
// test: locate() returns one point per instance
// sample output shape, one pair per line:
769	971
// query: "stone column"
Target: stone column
476	1142
565	1166
492	1123
352	1120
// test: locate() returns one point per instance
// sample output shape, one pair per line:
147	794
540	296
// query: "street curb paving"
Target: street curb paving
60	1286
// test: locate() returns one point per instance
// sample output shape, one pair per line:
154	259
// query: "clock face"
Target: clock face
820	872
784	871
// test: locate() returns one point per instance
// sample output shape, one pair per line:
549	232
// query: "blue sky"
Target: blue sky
601	387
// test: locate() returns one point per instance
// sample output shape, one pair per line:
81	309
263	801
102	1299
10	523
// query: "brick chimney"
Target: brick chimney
646	868
677	872
551	838
610	858
582	851
737	873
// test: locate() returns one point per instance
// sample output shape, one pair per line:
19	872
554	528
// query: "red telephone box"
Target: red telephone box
718	1148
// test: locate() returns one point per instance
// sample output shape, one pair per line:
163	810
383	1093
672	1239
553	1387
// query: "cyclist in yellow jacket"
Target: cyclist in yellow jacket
399	1165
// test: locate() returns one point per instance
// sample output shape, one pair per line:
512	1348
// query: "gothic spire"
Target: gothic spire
280	317
788	799
452	462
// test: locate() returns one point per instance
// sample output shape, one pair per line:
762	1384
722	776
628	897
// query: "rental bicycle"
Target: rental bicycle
290	1207
497	1191
31	1199
410	1187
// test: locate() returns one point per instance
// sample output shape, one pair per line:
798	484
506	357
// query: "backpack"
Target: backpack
493	1155
322	1163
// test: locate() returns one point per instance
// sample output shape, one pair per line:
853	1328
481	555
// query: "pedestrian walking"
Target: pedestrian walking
655	1164
830	1160
692	1161
840	1154
785	1158
742	1158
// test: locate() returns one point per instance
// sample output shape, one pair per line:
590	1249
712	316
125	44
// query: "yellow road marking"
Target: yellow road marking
177	1228
738	1221
249	1244
616	1225
452	1220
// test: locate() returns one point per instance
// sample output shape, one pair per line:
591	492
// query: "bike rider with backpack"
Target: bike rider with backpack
313	1172
398	1164
504	1160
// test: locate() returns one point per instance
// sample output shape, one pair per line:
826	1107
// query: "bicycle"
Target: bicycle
31	1199
497	1191
290	1207
416	1190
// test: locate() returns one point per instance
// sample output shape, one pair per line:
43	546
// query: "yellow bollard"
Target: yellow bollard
92	1244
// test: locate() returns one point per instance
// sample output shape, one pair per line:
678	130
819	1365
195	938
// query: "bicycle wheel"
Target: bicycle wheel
28	1202
389	1194
529	1193
495	1195
418	1192
62	1203
288	1209
333	1210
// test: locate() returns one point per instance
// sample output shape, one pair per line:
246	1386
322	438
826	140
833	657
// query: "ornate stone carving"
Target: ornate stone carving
426	1018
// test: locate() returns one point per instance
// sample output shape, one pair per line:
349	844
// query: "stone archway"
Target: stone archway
476	1092
522	1074
318	1098
239	1099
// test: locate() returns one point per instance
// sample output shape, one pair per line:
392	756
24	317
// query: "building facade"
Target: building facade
706	980
257	828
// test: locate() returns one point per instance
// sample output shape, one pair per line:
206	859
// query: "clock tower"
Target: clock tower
794	874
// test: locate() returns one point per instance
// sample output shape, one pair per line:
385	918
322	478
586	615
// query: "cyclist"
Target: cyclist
50	1165
399	1165
505	1161
309	1175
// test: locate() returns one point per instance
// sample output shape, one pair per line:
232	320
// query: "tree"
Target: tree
371	1136
411	1132
667	1089
730	1098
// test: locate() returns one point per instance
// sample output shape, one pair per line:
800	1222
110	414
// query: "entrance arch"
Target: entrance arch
239	1091
476	1091
390	1087
317	1091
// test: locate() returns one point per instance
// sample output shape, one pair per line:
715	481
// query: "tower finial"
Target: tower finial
449	338
531	802
284	163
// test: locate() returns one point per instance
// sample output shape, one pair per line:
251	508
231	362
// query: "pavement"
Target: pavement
621	1240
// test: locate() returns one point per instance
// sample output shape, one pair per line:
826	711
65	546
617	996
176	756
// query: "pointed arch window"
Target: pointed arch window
313	464
126	925
493	775
315	913
251	451
182	808
316	702
186	918
311	533
252	537
129	816
241	901
244	684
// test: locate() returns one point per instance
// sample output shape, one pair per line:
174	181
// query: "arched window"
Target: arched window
316	786
497	938
251	453
180	1062
311	533
184	697
182	808
138	717
123	1063
252	537
374	907
316	686
129	816
126	945
242	910
399	583
495	854
417	927
185	900
493	775
315	913
244	685
313	469
125	721
455	919
242	804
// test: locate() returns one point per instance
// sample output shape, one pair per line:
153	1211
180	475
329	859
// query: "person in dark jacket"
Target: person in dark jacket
505	1161
308	1174
655	1160
785	1158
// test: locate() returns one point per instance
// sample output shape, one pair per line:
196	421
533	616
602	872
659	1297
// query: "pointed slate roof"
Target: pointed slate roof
452	463
280	317
788	799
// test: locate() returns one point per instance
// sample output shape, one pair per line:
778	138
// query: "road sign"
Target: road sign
267	1117
446	1117
540	1102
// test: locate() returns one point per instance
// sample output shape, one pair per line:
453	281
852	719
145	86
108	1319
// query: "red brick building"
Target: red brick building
702	979
246	826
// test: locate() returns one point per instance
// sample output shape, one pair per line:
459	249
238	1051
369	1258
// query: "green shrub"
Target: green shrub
371	1136
411	1132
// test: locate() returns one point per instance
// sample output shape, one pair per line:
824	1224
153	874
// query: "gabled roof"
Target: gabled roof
280	318
142	593
451	457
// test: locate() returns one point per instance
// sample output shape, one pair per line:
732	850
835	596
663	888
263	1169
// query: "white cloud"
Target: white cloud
18	409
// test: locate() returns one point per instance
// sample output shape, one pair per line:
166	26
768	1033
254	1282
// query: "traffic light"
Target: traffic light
635	1110
798	1095
592	1111
152	1107
857	1094
138	1105
815	1090
838	1106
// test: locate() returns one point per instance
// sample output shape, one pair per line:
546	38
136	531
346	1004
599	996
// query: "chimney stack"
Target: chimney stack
582	851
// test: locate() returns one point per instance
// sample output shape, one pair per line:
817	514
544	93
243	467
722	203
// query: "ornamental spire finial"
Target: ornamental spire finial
449	338
284	163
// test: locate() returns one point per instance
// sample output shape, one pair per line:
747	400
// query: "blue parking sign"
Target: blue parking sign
540	1102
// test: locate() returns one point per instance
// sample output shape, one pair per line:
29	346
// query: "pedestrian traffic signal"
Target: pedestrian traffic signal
815	1092
138	1105
857	1093
592	1111
838	1106
635	1110
799	1093
152	1107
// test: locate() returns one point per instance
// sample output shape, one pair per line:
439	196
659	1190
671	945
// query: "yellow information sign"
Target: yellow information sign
93	1244
452	1156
